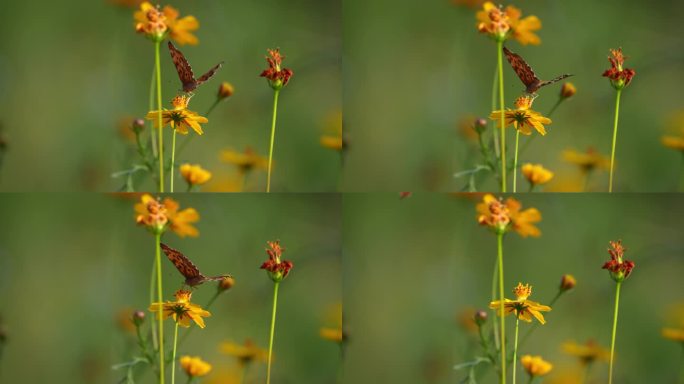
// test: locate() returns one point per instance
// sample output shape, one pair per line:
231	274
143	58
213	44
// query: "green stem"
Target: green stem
173	157
536	325
152	281
485	345
515	348
273	127
585	375
270	340
612	342
499	238
615	129
530	379
515	162
681	367
212	107
494	84
681	174
560	100
499	47
206	307
173	356
159	121
159	314
153	139
495	275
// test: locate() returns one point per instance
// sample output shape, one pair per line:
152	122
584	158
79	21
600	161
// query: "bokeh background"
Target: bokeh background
413	268
72	265
414	70
71	75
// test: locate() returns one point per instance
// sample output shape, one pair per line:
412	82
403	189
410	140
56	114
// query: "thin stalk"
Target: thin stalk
188	138
495	275
273	127
585	375
151	107
270	340
173	356
152	281
494	83
612	341
157	65
681	174
560	100
206	307
515	348
615	130
499	47
536	325
173	157
515	162
531	139
159	315
212	107
499	238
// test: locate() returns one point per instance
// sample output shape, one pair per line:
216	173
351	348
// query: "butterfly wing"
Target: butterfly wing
182	263
183	68
559	78
209	74
521	68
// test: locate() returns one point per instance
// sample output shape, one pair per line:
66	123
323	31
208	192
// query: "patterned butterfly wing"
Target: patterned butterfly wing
523	70
208	75
183	68
182	263
559	78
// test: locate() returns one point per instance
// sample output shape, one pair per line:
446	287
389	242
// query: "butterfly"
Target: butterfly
193	277
185	71
526	74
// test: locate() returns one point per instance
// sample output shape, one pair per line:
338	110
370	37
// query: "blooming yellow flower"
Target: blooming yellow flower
245	161
194	174
523	29
181	310
181	221
157	215
181	29
536	174
150	21
194	366
675	334
587	352
535	365
522	118
587	161
245	353
500	216
524	309
180	118
502	24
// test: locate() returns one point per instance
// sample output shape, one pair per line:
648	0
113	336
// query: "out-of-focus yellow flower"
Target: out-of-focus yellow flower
536	174
245	353
154	23
180	118
674	334
524	309
673	142
181	221
466	127
225	90
335	139
182	311
181	29
334	331
194	174
522	118
124	320
150	21
245	161
224	375
502	24
225	183
567	283
194	366
157	215
466	319
501	216
587	161
535	365
588	352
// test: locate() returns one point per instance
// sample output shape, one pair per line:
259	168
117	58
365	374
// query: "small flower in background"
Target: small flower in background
150	21
588	352
523	29
480	318
194	174
245	353
502	24
673	142
675	318
179	118
674	334
536	174
535	365
182	310
138	318
277	76
587	161
277	268
225	90
567	283
502	217
619	76
522	118
335	138
466	320
194	366
124	320
618	267
675	124
334	331
245	161
568	90
181	30
524	309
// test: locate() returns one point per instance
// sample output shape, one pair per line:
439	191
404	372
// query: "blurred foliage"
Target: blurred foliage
421	264
72	265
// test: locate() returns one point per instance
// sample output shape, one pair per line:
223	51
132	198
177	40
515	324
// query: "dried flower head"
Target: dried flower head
524	309
619	76
277	268
194	366
277	76
536	174
535	365
618	267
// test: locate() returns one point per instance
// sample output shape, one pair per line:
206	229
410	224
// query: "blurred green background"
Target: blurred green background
412	267
71	265
413	70
70	73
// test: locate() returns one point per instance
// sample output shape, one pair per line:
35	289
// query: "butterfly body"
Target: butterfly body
193	277
526	74
185	74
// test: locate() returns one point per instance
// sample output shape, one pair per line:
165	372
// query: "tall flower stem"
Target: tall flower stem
499	241
494	84
515	348
173	157
157	67
151	107
515	162
615	321
495	275
615	130
273	127
159	315
152	281
173	356
499	54
270	340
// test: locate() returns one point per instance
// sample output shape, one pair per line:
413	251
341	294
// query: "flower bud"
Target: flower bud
138	318
567	283
138	125
225	90
480	317
568	90
480	125
226	283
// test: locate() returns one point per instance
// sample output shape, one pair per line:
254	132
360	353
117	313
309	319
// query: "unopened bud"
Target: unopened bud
567	283
138	318
568	90
226	283
480	317
225	90
138	125
480	125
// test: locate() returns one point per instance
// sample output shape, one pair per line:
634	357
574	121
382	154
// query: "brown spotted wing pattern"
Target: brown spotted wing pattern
526	74
193	277
185	71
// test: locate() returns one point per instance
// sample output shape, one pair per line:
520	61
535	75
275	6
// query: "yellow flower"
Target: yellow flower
181	221
524	309
587	161
150	21
194	174
181	310
493	21
194	366
587	352
181	29
180	118
334	140
502	24
523	29
151	213
245	353
245	161
503	217
225	90
536	174
334	332
674	334
535	365
673	142
522	118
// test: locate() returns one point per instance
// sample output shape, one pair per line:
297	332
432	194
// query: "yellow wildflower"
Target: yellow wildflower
181	29
536	174
524	309
181	310
523	29
587	161
181	221
335	139
334	332
245	161
225	90
522	118
194	366
675	334
502	24
194	174
587	352
150	21
535	365
245	353
501	216
180	118
156	215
